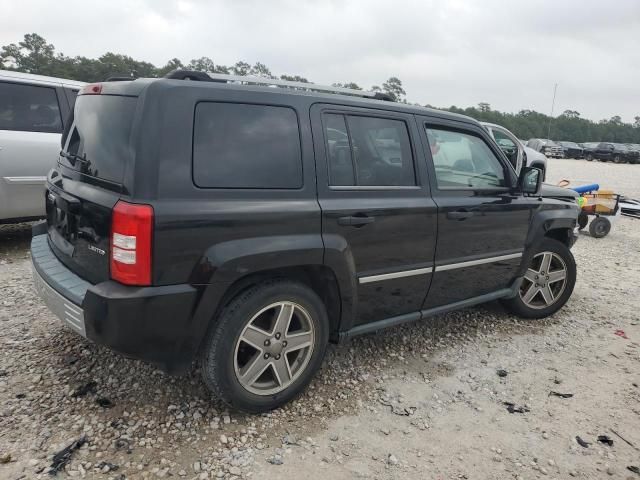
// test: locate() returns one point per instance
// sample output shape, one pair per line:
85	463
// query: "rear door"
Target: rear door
30	128
376	206
482	225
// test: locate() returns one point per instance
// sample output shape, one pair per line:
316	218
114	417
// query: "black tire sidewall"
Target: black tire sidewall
517	306
596	223
218	355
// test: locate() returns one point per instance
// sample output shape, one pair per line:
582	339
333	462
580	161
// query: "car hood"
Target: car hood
553	191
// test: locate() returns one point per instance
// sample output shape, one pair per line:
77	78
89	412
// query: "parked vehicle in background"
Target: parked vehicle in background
588	150
518	154
612	152
572	149
249	225
33	113
547	147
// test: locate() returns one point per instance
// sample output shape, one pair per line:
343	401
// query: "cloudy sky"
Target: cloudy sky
453	52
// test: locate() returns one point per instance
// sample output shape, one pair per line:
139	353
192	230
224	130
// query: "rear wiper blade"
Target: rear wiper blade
74	157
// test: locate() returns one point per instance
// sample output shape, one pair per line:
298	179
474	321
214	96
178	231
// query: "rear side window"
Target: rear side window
29	108
368	151
99	143
246	146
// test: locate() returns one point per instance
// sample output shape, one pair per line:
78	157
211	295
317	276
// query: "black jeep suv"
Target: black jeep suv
245	223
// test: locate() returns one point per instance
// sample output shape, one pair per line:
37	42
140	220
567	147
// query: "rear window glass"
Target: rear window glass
29	108
246	146
99	142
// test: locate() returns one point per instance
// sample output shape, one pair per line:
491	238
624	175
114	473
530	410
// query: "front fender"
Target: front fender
550	216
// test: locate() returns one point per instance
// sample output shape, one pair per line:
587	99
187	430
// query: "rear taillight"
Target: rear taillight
131	243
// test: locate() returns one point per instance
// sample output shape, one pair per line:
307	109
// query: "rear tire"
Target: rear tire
589	157
548	282
617	159
253	359
599	227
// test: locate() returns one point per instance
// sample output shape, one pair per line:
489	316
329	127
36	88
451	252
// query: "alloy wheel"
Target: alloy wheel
545	280
274	348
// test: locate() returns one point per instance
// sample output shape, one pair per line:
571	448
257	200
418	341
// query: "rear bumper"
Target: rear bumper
153	324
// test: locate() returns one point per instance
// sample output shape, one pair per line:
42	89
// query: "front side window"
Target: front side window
464	161
29	108
246	146
368	151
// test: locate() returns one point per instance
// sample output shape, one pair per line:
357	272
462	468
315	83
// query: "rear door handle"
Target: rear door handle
355	221
459	215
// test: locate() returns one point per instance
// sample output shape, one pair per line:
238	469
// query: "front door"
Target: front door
482	224
376	206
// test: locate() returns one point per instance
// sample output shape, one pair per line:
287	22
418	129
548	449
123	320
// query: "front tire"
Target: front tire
266	345
589	157
548	282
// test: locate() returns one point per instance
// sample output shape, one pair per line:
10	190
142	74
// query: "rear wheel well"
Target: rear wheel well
319	278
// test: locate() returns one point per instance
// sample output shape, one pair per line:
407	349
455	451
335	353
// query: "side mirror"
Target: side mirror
530	180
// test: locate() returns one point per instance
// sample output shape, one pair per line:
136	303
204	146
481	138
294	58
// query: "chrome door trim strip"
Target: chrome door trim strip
26	180
390	276
471	263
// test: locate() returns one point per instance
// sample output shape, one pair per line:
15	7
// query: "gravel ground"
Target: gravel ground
418	401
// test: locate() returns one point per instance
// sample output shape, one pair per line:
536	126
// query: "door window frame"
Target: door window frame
436	123
320	110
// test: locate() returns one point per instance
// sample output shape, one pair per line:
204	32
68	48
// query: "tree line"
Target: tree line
567	126
35	55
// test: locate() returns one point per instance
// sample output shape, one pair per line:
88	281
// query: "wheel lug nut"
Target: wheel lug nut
536	277
277	336
547	277
284	344
267	343
277	357
266	355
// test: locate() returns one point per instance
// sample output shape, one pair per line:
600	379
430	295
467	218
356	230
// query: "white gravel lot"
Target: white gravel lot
417	401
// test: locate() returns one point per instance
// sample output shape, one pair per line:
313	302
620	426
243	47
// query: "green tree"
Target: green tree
31	55
484	107
393	87
241	68
171	65
351	85
570	114
261	70
202	64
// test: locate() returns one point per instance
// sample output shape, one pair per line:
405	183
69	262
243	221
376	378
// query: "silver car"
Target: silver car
517	152
33	112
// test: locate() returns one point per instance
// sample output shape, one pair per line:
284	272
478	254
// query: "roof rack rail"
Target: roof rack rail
250	80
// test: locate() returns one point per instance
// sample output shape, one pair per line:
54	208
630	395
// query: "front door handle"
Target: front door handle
356	220
459	215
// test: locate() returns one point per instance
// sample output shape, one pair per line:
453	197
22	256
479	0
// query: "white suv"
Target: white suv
33	112
519	154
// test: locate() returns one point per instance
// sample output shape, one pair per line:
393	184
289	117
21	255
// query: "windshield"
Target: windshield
98	143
